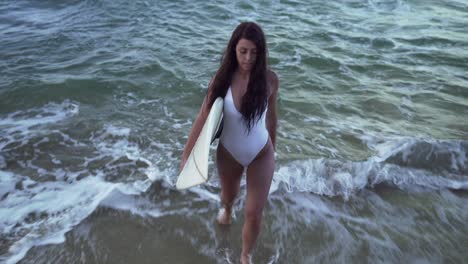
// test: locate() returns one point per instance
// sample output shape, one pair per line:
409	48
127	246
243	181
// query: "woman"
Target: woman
248	138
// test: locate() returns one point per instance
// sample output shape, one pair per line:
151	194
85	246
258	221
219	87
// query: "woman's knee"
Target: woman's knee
253	216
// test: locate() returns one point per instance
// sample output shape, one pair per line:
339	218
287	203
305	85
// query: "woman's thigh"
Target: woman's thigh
229	170
259	177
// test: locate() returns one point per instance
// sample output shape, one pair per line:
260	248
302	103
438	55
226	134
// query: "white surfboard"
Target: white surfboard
195	170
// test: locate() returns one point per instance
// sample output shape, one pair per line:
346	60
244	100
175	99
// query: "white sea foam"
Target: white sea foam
49	113
18	126
325	177
203	193
132	203
47	210
429	154
113	141
150	102
400	161
338	178
7	183
117	131
407	178
135	188
2	162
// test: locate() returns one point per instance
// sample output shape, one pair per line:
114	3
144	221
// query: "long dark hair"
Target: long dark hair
254	101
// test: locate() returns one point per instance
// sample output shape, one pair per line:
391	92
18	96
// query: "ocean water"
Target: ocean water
97	99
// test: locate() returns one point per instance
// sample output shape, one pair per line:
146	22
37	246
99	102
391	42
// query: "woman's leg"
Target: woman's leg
259	176
230	174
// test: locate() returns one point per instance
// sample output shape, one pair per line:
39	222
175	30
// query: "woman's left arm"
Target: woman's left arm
272	118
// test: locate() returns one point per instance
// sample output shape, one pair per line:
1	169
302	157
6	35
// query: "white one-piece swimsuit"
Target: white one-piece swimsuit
244	146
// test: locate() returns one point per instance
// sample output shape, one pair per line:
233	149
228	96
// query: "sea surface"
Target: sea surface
97	98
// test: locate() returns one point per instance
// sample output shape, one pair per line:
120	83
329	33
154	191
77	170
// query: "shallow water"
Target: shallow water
97	99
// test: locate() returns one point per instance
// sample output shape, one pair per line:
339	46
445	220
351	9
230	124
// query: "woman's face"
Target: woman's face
246	54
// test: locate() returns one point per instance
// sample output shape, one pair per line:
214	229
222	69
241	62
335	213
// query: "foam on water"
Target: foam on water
2	162
41	213
68	203
442	156
401	163
45	212
113	141
39	209
22	123
7	183
133	203
323	177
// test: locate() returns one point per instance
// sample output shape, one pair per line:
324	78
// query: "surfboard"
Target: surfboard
195	170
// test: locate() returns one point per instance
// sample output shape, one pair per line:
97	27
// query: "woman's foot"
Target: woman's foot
245	259
224	217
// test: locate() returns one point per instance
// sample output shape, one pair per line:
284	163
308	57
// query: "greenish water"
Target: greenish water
97	99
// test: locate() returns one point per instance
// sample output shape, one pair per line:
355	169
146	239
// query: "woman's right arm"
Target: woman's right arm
195	132
197	126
